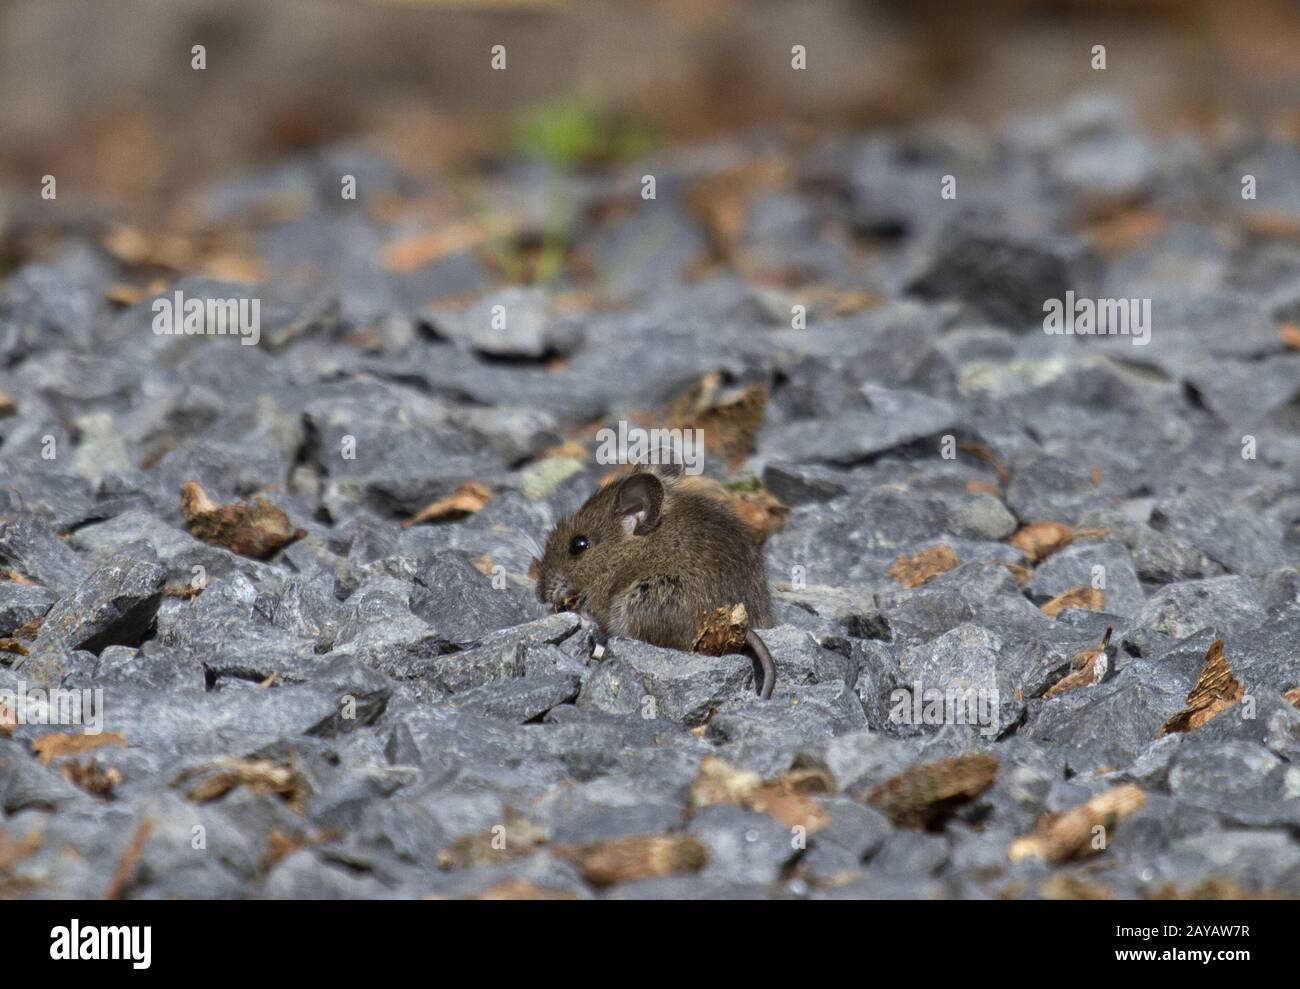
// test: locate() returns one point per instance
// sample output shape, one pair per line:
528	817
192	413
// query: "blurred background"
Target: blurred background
103	94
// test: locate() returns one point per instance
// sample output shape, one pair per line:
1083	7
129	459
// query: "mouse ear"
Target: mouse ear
638	502
664	462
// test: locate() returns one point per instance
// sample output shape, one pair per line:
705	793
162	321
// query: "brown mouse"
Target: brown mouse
646	558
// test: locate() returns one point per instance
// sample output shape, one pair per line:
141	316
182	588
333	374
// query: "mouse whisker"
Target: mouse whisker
548	516
534	548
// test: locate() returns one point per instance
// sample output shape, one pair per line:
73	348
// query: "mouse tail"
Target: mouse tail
764	668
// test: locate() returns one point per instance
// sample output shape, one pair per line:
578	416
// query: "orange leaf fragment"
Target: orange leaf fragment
1039	540
1058	837
1083	598
47	748
913	571
467	499
1216	690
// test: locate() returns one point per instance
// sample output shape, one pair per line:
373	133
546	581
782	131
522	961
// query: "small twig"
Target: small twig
125	871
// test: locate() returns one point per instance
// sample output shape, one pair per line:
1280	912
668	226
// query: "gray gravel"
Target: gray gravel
411	684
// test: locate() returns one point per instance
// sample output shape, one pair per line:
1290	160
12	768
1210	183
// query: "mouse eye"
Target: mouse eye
578	544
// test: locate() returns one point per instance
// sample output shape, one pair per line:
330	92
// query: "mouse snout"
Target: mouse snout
554	589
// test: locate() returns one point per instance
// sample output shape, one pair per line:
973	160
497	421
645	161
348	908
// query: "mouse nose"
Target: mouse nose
554	590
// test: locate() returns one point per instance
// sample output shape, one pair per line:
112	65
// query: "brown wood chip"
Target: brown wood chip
921	796
913	571
722	631
1039	540
1216	690
1081	598
1058	837
467	499
254	529
625	860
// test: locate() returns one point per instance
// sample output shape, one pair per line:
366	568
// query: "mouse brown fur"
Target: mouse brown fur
647	558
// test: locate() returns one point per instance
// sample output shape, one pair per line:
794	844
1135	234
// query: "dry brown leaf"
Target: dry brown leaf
92	777
830	300
720	202
722	631
17	576
572	449
1087	667
761	511
280	846
719	782
982	452
576	302
1018	573
913	571
14	646
232	266
204	252
124	875
1058	837
625	860
185	591
467	499
256	529
786	798
47	748
516	836
980	486
1081	598
1076	679
1125	230
1039	540
8	721
1216	690
8	406
729	417
28	630
920	796
1272	223
1289	334
126	295
846	303
216	779
1292	697
421	250
1085	657
136	247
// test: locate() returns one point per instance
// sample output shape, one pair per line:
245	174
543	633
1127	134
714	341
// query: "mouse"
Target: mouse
645	557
